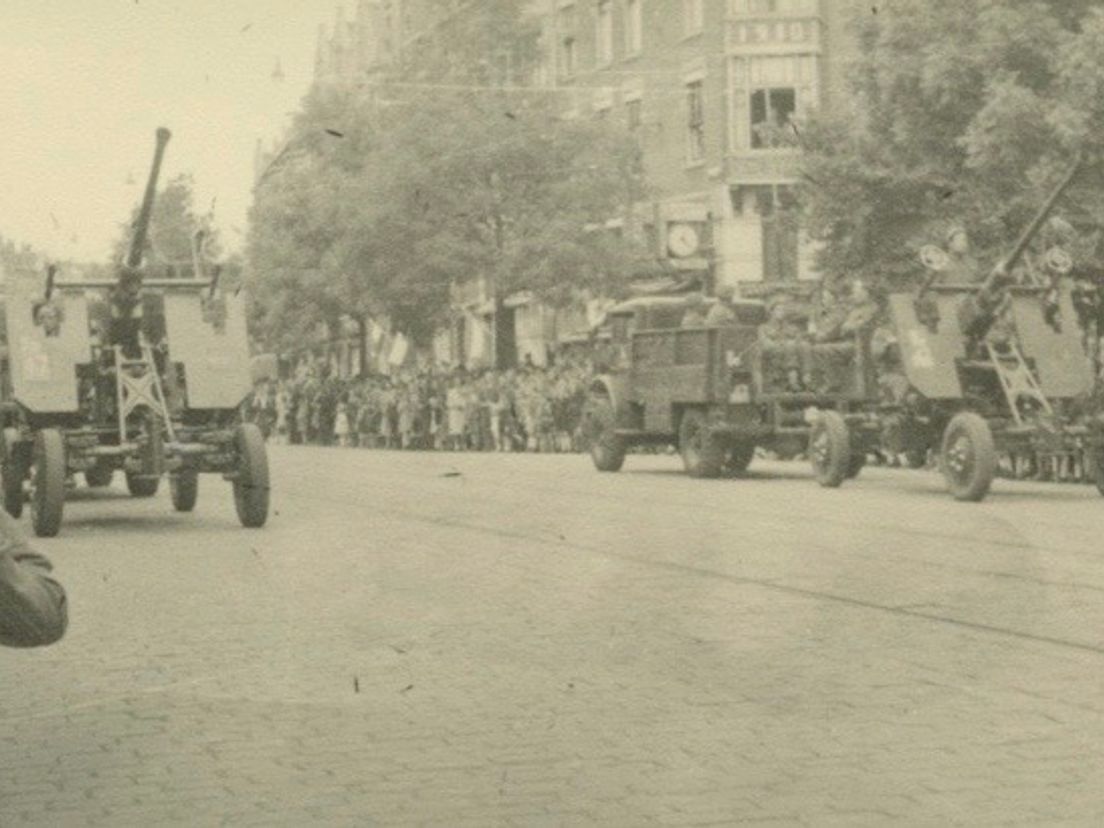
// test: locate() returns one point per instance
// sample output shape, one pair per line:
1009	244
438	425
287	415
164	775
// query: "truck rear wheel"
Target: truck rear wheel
12	473
251	483
607	450
969	456
830	449
48	475
703	453
184	488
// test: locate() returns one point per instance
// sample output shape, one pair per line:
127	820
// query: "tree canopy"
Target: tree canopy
173	225
960	114
391	191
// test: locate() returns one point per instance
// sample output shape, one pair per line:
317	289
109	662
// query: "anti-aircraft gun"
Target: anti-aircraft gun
993	367
140	375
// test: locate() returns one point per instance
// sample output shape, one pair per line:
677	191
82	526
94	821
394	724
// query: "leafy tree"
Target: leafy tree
17	259
173	226
964	113
388	196
505	193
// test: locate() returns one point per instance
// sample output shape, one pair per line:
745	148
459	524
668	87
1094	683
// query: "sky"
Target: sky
84	84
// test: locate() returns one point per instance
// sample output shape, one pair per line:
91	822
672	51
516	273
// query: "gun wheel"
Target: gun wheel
184	488
12	473
1095	466
830	449
856	464
968	457
48	476
251	488
607	450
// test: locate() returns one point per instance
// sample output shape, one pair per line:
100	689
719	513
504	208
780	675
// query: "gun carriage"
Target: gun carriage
992	368
144	376
713	391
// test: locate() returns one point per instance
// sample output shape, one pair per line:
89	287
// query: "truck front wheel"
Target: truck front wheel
830	449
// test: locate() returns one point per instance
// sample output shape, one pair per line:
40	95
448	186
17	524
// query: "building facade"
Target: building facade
716	91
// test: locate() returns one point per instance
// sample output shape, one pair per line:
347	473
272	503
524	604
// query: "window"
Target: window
634	27
695	125
634	114
692	16
605	33
767	95
772	113
567	56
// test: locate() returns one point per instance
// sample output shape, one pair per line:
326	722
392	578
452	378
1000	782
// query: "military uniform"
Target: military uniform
33	609
787	355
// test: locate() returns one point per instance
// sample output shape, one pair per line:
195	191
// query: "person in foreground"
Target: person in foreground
33	608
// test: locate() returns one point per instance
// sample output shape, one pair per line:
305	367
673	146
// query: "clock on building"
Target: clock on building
682	240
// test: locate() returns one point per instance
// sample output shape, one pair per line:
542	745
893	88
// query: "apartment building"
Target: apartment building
717	91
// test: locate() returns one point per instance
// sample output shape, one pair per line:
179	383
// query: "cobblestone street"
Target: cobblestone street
516	639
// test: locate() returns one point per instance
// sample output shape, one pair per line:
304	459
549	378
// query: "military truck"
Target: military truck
139	375
994	367
715	393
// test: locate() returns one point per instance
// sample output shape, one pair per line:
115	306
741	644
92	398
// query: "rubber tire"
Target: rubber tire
184	489
1097	462
739	457
50	473
830	449
251	486
856	465
142	486
703	455
99	477
607	450
972	428
12	476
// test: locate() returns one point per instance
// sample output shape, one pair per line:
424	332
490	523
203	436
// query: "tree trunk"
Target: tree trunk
362	345
505	336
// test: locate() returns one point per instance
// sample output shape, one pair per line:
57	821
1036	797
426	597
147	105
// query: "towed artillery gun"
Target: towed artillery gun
992	368
144	376
711	391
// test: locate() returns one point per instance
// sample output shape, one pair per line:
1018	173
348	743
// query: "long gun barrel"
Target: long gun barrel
977	314
1012	259
142	222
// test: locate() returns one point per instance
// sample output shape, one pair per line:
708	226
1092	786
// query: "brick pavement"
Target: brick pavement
530	643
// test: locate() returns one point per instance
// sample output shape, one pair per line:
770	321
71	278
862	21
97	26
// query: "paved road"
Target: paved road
497	640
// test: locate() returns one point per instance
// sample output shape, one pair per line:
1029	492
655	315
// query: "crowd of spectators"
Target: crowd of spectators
523	409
